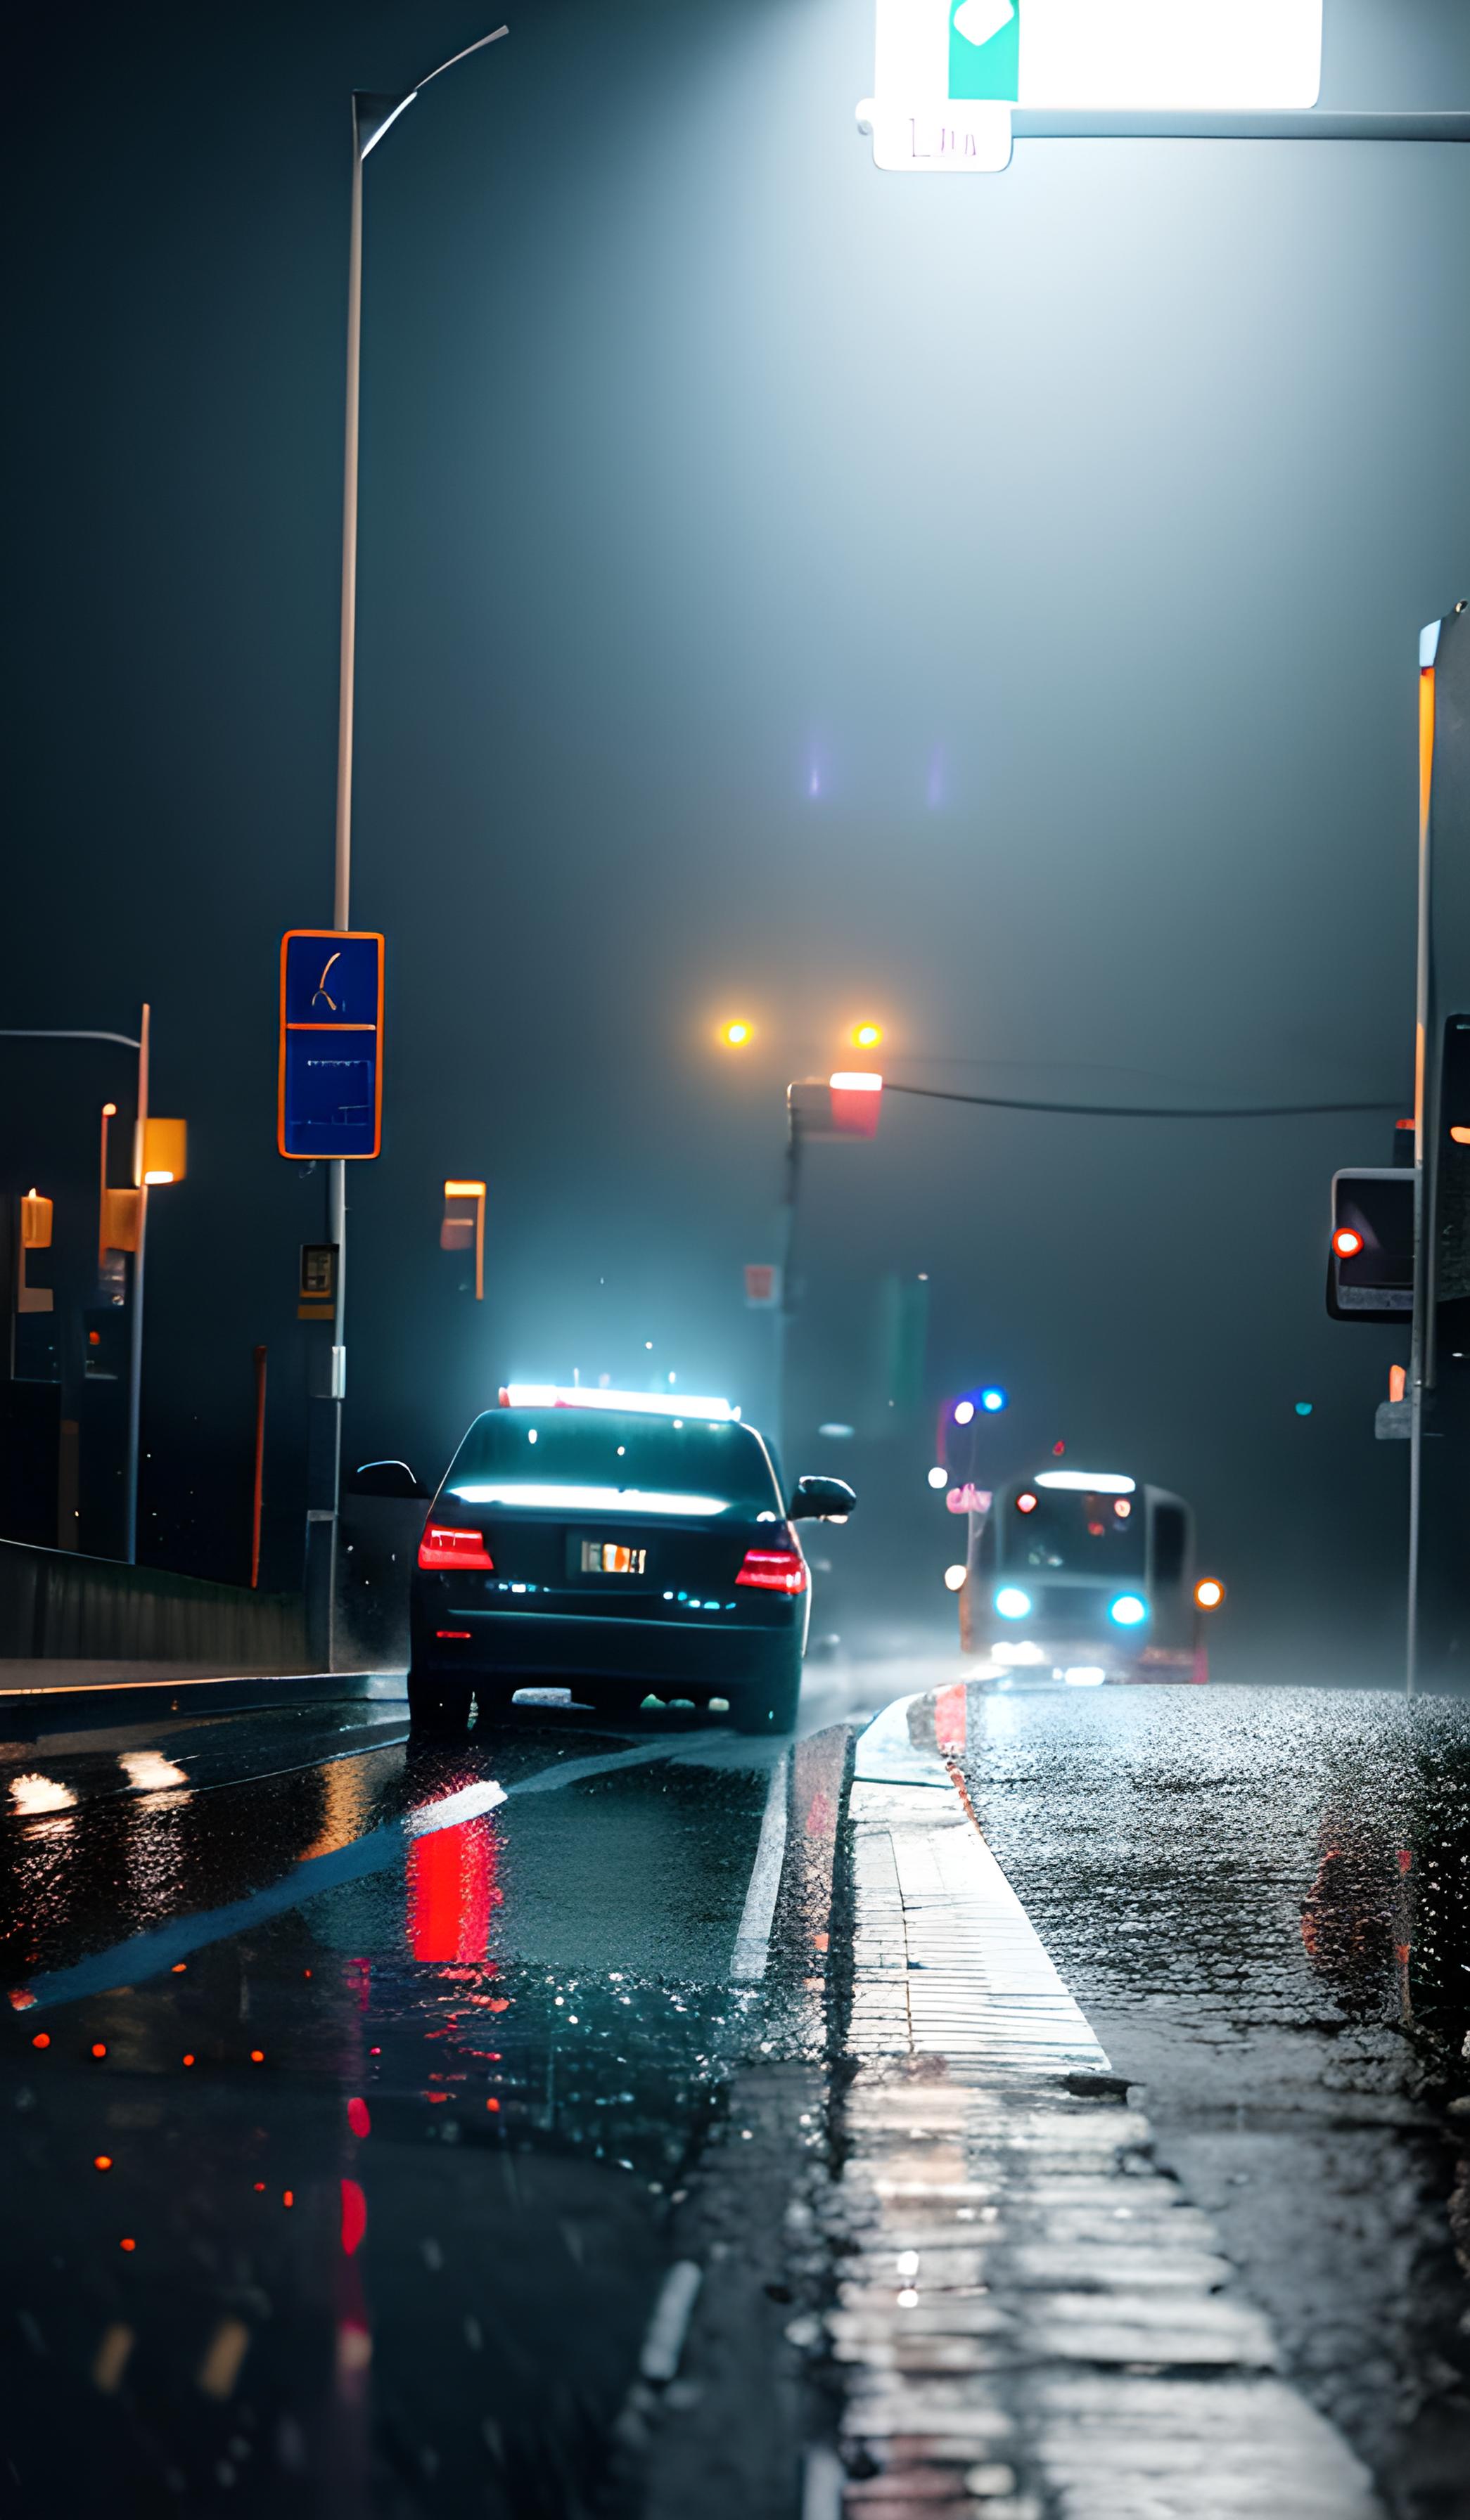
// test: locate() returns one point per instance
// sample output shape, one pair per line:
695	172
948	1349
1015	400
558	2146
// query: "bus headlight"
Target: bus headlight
1012	1602
1128	1610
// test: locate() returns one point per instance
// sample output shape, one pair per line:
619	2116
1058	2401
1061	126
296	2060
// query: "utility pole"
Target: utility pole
1438	1641
371	116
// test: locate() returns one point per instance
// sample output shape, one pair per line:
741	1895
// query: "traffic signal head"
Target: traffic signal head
856	1098
462	1224
166	1151
35	1222
1209	1593
1370	1246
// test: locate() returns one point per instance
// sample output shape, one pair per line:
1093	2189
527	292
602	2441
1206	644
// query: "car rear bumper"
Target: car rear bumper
695	1652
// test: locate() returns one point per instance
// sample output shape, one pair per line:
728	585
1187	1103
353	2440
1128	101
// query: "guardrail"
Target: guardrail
56	1604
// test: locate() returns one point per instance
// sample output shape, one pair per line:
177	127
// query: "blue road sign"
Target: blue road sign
331	1054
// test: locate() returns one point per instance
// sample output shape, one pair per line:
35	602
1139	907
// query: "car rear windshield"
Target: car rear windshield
575	1460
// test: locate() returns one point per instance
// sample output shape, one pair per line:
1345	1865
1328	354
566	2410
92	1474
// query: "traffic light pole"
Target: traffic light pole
1421	1342
1438	1638
786	1239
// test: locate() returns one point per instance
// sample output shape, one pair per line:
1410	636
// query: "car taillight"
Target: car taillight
441	1547
775	1570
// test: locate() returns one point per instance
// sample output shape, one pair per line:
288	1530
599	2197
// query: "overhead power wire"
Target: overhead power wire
1139	1110
29	1032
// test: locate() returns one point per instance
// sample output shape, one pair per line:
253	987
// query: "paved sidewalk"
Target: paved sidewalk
1035	2321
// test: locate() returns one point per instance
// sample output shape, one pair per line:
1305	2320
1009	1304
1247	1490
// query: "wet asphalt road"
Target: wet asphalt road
361	2205
1262	1900
406	2156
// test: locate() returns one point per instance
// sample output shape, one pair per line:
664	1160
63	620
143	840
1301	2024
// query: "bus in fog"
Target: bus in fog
1083	1576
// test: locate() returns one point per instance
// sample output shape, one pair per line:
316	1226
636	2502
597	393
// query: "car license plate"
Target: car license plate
612	1557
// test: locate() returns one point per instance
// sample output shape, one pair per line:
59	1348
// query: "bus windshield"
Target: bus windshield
1046	1530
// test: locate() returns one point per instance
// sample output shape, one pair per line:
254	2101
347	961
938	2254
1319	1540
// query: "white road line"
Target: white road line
823	2478
451	1809
663	2337
753	1941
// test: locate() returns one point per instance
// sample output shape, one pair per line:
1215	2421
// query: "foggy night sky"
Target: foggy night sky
1069	532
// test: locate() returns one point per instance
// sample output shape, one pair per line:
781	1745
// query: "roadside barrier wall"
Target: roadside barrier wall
55	1603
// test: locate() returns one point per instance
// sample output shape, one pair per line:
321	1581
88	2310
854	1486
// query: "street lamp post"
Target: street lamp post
372	116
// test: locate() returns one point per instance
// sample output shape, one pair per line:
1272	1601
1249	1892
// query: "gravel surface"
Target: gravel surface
1262	1900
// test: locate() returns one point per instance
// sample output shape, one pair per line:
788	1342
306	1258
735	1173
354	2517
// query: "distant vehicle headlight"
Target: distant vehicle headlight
1012	1602
1128	1610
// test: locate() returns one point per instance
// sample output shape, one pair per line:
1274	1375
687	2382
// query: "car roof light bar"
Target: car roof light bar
647	1404
1095	1482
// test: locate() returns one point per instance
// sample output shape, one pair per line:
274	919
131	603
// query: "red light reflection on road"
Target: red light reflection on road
353	2215
452	1890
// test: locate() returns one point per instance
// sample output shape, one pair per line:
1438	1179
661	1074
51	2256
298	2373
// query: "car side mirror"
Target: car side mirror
384	1479
816	1499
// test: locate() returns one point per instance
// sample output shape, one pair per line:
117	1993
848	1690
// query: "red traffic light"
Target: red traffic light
857	1100
1347	1243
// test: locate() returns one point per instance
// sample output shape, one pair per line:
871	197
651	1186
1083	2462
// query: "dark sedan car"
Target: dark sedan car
620	1551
